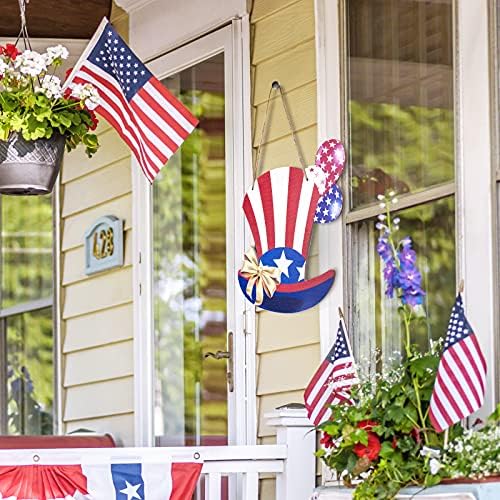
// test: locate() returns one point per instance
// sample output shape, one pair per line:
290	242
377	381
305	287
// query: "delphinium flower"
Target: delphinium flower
401	274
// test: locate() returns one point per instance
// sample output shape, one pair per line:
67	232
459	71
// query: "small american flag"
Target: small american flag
145	114
461	376
332	382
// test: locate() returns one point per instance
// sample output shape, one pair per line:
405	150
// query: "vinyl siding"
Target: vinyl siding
283	40
96	310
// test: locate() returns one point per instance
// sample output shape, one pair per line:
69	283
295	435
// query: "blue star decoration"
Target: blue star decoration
128	481
290	262
329	206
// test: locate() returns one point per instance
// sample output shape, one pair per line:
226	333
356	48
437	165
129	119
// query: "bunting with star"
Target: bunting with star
95	479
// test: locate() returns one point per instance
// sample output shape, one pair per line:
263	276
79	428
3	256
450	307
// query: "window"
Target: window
26	325
400	129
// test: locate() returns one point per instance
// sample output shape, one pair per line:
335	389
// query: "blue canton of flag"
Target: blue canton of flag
114	57
145	114
329	206
128	481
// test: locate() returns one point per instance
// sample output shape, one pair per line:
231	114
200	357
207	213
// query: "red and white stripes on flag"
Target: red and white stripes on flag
332	382
145	114
280	210
461	376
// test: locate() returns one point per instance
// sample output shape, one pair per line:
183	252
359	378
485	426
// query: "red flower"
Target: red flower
394	443
367	425
94	119
10	50
327	441
415	434
372	450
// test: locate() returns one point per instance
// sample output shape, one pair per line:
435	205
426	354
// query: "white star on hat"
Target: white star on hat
283	264
131	491
302	272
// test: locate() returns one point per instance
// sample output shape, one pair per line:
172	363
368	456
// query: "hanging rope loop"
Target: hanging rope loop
276	86
23	33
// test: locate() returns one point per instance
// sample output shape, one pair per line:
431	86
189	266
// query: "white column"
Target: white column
294	430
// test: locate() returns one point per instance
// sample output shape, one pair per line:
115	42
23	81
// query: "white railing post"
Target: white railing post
294	430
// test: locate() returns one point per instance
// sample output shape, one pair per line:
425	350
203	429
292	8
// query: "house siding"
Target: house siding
97	324
283	40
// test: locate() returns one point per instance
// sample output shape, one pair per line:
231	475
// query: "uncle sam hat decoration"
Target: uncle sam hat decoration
280	209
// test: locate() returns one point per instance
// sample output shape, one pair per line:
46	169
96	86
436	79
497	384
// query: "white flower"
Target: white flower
3	67
51	87
30	63
434	466
87	93
429	452
57	52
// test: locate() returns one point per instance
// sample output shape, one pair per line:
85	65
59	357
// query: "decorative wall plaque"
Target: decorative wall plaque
104	244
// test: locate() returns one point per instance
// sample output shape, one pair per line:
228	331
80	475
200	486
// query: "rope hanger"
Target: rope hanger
23	33
276	86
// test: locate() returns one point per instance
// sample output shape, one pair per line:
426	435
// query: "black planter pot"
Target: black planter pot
30	167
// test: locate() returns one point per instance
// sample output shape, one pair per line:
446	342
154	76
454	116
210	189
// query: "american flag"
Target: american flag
147	116
461	376
332	382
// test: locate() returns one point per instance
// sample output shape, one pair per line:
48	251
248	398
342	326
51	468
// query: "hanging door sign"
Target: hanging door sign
104	245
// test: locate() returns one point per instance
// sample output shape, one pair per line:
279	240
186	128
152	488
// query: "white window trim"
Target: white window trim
475	173
238	155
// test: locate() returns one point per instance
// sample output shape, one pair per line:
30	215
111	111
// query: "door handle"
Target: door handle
230	362
218	355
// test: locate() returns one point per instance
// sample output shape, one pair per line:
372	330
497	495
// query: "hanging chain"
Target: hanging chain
276	86
23	33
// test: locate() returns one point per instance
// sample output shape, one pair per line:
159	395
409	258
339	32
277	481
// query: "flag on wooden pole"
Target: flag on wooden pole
332	382
461	376
145	114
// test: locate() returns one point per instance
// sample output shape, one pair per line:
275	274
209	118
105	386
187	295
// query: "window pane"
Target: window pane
30	373
26	248
400	90
432	229
190	270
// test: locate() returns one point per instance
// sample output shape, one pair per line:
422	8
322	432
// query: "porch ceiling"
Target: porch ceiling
54	18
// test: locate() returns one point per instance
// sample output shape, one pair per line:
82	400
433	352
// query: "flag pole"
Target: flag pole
460	290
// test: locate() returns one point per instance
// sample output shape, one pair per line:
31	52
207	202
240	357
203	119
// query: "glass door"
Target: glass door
189	277
191	350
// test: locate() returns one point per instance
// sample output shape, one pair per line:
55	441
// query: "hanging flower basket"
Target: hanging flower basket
30	167
39	116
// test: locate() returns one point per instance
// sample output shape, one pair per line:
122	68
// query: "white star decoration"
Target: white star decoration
131	491
302	272
283	264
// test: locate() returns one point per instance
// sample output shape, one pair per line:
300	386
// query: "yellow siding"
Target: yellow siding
283	49
97	324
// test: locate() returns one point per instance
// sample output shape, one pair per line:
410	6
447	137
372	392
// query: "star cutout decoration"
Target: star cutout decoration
283	264
131	491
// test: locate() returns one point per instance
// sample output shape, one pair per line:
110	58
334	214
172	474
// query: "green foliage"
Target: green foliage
34	104
35	116
396	404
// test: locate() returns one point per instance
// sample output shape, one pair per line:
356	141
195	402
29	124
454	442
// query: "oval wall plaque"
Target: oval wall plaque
104	245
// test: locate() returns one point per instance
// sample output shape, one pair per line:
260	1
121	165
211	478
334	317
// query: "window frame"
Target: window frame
233	39
474	171
30	306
